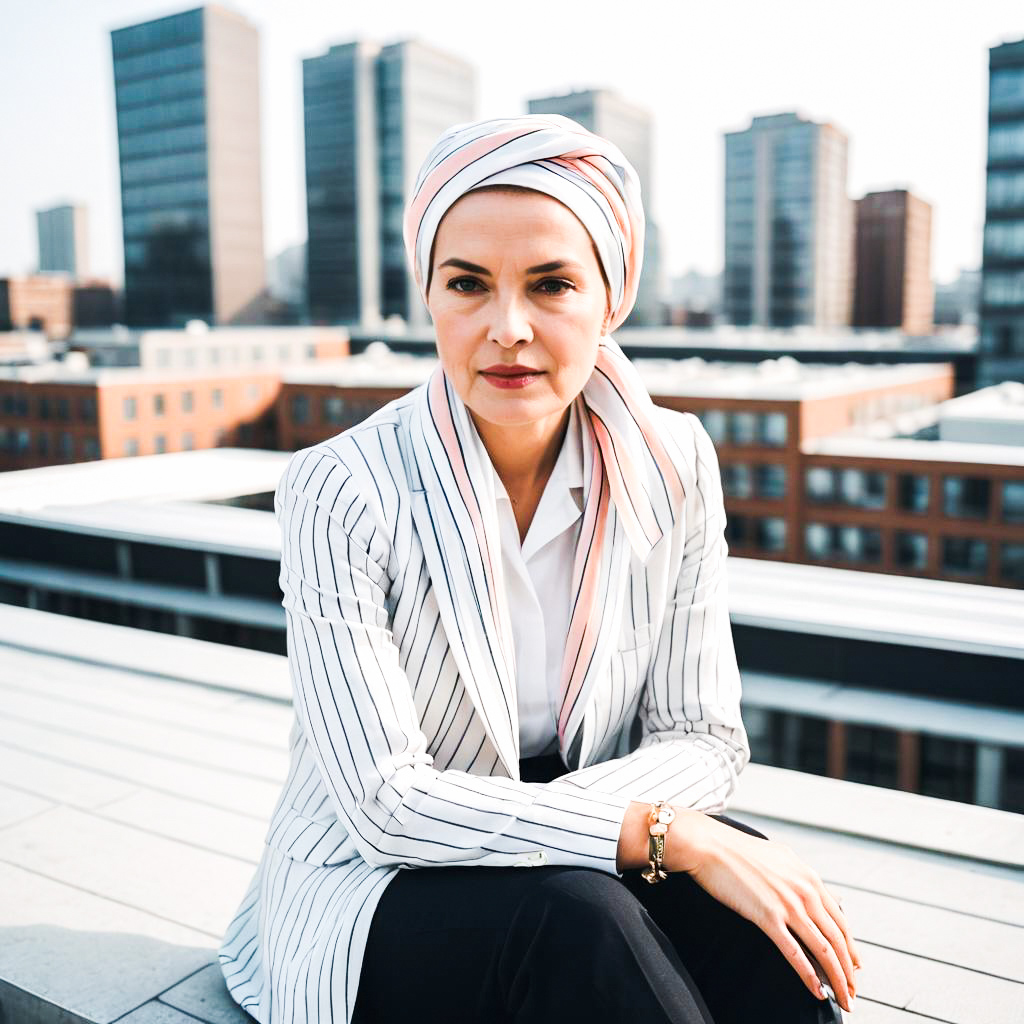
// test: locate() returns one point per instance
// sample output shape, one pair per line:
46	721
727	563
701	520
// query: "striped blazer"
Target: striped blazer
405	746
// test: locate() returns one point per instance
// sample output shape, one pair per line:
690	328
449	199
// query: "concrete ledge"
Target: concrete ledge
885	815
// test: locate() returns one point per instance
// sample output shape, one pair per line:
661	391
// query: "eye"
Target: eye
554	286
455	284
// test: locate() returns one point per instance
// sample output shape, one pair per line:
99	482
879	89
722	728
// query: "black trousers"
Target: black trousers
470	945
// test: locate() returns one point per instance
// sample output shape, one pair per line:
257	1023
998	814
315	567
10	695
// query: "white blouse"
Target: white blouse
538	578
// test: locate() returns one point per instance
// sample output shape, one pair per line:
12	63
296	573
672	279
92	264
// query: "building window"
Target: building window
1011	564
771	533
334	409
300	409
131	446
158	405
42	443
311	351
163	357
283	353
771	480
966	497
187	401
253	391
862	488
188	441
67	445
219	435
964	556
218	398
189	357
820	484
737	530
716	423
743	428
160	444
773	428
257	353
911	549
44	407
91	448
872	755
855	544
736	480
63	409
129	408
1013	501
913	491
87	409
947	768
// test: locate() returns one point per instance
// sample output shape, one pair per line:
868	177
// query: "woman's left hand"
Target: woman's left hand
768	884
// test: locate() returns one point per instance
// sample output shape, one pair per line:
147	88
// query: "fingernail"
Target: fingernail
821	992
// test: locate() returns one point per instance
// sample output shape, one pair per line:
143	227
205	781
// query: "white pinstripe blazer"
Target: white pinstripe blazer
404	752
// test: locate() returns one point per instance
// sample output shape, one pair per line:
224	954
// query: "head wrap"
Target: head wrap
548	153
633	490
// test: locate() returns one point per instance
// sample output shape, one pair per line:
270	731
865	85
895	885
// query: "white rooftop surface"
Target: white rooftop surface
876	606
166	778
1000	402
207	475
782	379
912	449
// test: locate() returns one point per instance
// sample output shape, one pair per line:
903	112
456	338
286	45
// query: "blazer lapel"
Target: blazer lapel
454	519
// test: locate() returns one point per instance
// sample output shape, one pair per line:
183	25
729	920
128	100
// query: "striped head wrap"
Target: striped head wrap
632	489
548	153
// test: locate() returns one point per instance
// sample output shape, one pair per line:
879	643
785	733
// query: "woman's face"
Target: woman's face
516	282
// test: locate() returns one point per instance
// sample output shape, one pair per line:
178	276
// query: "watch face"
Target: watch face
666	815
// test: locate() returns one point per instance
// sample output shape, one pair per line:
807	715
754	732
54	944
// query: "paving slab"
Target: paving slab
17	805
205	996
60	945
168	879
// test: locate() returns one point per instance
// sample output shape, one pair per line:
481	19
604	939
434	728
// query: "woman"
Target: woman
508	634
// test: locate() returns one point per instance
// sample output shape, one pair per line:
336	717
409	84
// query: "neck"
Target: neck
525	454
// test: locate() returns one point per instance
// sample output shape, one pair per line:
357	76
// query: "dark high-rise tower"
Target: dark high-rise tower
1001	352
188	129
371	115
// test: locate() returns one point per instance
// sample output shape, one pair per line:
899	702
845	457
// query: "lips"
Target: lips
515	370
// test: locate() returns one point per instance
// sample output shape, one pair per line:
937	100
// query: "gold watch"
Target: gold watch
659	818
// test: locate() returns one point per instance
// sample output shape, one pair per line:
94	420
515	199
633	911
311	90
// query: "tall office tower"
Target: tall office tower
606	114
788	224
1001	350
63	240
188	128
893	284
371	115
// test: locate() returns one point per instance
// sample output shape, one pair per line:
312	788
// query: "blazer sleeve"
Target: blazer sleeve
693	743
355	706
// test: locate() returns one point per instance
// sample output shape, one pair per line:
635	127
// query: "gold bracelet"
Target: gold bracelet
660	817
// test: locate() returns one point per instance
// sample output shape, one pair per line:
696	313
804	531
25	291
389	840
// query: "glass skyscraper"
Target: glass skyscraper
187	94
788	224
371	115
1001	352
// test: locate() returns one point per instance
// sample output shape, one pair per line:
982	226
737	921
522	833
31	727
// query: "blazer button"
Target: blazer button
532	859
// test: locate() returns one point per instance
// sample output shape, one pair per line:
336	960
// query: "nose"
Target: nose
510	322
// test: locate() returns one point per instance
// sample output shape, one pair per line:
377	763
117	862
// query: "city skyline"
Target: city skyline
872	77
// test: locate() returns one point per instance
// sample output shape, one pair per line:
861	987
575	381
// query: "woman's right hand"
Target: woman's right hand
768	884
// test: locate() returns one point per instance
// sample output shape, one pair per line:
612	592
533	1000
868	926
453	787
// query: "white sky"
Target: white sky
907	80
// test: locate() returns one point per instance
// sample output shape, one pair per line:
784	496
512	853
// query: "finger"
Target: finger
833	932
821	950
794	953
834	907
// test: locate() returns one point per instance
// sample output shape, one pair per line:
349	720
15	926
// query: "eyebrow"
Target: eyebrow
541	268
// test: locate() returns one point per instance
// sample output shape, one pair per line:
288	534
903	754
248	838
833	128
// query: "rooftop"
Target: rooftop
168	819
912	449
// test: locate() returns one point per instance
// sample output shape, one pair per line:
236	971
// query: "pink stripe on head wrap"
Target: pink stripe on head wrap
548	153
